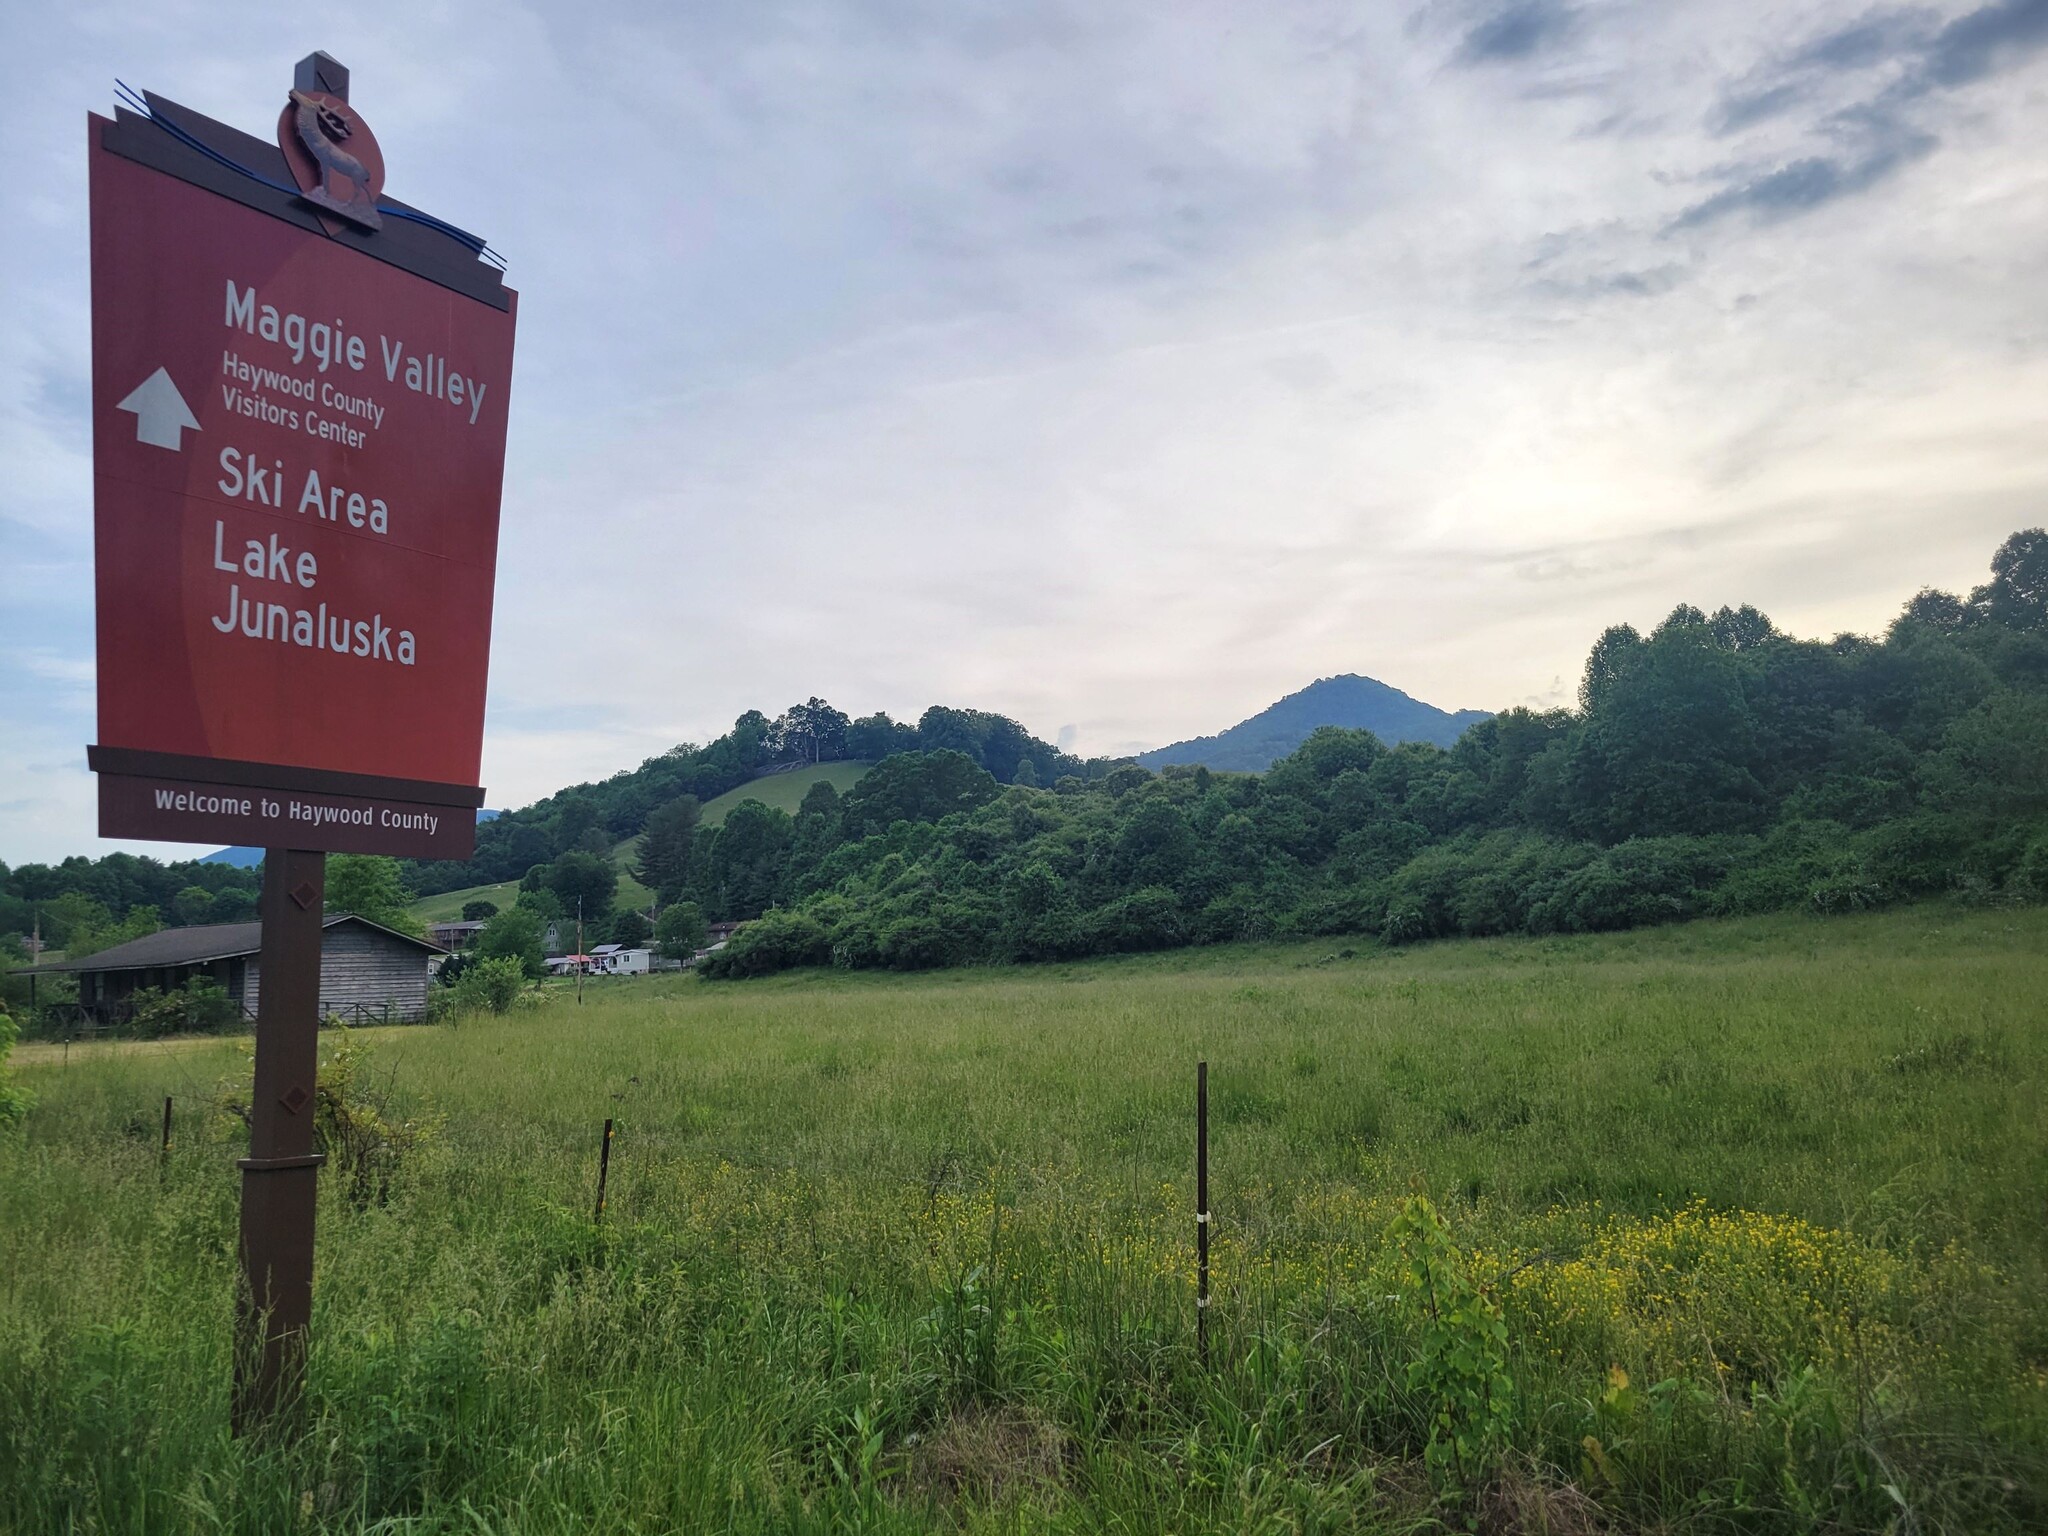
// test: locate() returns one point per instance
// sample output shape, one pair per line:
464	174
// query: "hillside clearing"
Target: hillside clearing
785	791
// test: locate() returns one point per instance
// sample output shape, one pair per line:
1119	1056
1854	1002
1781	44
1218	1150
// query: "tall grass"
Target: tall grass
1758	1203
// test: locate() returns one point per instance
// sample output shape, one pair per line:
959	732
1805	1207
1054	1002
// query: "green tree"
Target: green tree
630	928
579	877
514	935
545	906
874	737
809	733
665	847
2017	594
746	860
370	885
479	911
576	818
89	938
680	930
234	904
69	916
915	786
193	905
1670	743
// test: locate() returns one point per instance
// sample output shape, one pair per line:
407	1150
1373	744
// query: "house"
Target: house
603	960
454	935
618	960
367	972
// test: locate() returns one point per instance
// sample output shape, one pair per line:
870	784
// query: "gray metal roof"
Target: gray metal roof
196	945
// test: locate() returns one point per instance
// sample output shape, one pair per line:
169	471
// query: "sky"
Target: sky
1121	368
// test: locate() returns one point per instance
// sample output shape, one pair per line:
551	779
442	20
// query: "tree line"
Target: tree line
593	818
1714	765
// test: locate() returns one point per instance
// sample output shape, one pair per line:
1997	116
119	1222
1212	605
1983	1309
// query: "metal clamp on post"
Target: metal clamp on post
1202	1217
280	1164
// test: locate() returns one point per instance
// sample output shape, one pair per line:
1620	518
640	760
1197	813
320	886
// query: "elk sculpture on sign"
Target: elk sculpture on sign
323	129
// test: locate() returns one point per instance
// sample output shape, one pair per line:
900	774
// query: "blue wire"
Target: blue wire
136	104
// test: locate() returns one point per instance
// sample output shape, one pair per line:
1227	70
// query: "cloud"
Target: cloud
1896	59
1807	184
1973	46
1517	31
1121	369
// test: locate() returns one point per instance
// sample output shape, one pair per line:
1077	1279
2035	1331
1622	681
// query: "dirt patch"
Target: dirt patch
988	1455
1516	1503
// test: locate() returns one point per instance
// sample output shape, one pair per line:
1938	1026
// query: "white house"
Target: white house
618	960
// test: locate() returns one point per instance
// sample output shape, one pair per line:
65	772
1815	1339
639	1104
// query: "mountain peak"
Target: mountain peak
1349	700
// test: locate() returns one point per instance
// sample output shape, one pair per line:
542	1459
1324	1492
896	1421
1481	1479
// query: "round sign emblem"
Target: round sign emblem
333	156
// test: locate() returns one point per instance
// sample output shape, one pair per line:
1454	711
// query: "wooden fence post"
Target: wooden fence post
1202	1210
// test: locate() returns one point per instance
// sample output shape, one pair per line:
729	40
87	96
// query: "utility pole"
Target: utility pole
582	957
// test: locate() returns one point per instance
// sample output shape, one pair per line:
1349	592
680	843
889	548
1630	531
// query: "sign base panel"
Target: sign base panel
193	810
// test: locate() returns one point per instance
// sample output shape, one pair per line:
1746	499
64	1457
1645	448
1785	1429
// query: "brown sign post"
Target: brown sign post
300	392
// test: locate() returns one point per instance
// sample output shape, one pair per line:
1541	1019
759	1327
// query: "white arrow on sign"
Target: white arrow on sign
161	414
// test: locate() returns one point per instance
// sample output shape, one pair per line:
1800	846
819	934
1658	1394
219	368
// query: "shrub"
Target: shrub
200	1007
490	985
14	1099
778	941
1145	919
1461	1371
1644	880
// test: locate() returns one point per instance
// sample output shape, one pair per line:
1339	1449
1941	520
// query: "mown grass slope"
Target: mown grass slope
447	906
784	791
916	1253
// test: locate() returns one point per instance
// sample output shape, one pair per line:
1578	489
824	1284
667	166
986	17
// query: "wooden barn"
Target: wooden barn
368	973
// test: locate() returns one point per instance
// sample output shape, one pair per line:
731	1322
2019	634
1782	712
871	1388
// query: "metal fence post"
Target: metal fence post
604	1169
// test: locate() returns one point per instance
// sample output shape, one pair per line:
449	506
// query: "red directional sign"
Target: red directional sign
298	454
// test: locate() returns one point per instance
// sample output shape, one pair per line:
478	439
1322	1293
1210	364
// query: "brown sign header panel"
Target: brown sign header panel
298	456
196	810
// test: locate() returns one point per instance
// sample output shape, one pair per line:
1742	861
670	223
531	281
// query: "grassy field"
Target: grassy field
784	791
447	907
1745	1233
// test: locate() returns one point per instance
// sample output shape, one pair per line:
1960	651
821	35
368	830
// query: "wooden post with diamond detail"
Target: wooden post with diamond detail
280	1174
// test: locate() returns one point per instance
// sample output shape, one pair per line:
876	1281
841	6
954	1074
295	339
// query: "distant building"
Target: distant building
603	960
454	935
619	960
367	972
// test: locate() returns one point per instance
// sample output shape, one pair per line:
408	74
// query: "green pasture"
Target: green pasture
784	791
1746	1215
447	907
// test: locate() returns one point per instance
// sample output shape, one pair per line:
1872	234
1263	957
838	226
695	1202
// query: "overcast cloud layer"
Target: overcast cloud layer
1123	368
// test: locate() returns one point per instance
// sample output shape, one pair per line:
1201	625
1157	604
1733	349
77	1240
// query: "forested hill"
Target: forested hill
1350	702
594	817
1714	765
